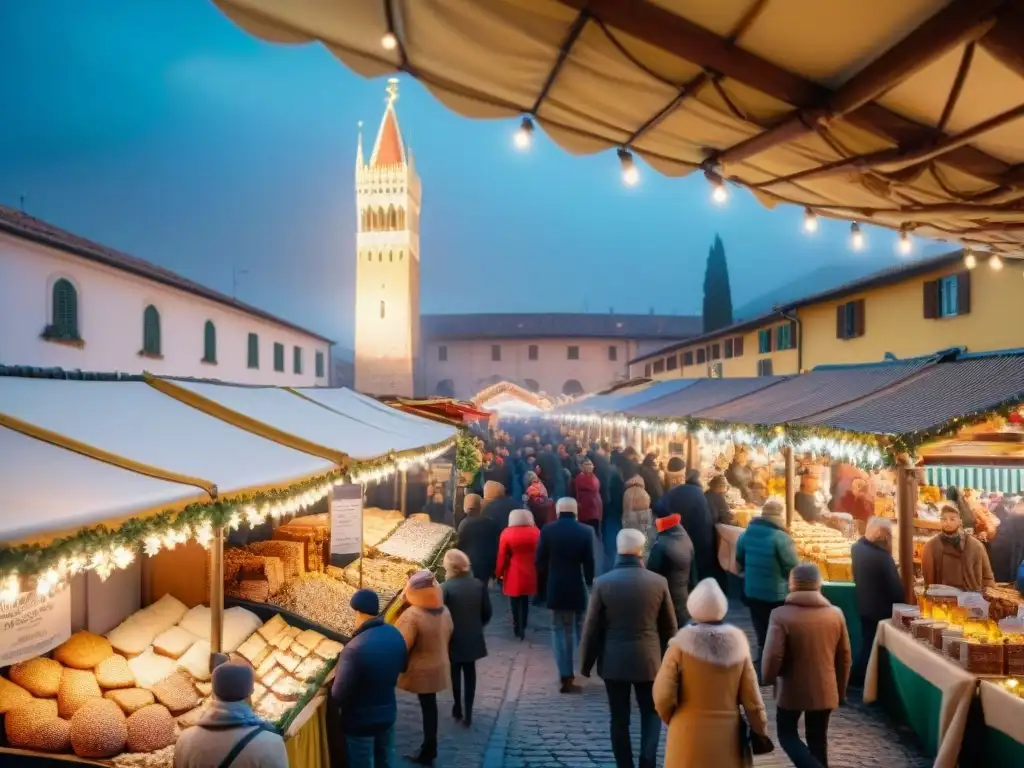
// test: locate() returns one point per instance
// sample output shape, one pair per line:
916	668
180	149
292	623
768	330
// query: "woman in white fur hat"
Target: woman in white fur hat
706	675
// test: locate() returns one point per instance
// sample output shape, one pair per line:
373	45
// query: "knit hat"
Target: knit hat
365	601
707	603
233	681
471	503
676	464
567	504
421	580
455	562
666	522
773	512
805	578
493	490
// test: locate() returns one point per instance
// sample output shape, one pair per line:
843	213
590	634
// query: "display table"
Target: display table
1003	740
843	595
306	738
922	689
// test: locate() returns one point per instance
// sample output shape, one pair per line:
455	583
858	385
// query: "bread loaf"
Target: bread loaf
99	729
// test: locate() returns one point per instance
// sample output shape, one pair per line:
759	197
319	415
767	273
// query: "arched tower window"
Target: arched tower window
572	388
382	219
391	256
401	218
64	312
382	309
209	343
151	331
392	218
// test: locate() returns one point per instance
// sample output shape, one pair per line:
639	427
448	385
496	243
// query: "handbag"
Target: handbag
752	743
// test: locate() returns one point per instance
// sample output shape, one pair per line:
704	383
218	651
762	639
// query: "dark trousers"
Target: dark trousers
760	613
596	525
868	629
650	724
520	613
428	706
813	754
464	671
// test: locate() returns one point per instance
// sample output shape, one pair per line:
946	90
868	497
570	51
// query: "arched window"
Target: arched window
445	388
572	388
380	256
531	385
382	219
382	308
401	255
401	218
64	320
392	218
151	332
369	257
209	343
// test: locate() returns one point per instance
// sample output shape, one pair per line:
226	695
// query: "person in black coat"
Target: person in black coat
877	584
715	494
611	522
688	501
652	480
630	466
565	571
672	557
497	506
1007	549
603	470
551	472
478	538
469	603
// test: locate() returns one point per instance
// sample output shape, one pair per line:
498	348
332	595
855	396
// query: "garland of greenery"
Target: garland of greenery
31	559
467	457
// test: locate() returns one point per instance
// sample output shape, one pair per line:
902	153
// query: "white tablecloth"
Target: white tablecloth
728	535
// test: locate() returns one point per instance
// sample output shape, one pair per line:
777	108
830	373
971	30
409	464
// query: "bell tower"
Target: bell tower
387	261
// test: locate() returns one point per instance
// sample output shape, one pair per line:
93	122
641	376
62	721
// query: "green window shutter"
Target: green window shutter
65	310
254	351
151	331
319	364
209	343
278	357
297	359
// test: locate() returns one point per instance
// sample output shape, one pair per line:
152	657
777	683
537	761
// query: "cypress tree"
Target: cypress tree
717	293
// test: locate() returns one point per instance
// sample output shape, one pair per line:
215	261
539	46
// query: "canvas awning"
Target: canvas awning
140	426
703	394
622	400
906	114
46	489
810	393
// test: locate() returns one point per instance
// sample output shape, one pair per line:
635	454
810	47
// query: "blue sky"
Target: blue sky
161	129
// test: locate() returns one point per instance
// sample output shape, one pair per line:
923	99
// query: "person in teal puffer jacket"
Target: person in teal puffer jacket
765	554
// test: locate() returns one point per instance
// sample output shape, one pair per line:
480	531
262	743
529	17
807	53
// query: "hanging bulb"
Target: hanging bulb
389	42
630	173
810	220
995	262
970	260
523	138
856	237
904	246
718	191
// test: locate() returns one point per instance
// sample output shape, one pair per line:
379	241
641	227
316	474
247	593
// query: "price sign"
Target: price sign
33	625
346	524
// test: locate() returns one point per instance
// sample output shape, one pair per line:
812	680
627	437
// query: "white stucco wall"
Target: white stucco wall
469	363
110	307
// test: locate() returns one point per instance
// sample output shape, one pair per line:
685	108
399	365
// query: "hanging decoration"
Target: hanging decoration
385	466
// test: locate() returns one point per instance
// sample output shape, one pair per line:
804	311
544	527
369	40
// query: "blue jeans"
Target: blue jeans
377	751
566	628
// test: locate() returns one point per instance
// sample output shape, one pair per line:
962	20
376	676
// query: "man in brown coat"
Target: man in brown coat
955	559
807	656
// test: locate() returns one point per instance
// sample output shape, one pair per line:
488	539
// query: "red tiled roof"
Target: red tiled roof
38	231
388	150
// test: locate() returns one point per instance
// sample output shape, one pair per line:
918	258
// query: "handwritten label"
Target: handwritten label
33	625
346	524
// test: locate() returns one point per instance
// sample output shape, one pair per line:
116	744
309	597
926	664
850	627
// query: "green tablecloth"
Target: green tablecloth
1003	739
842	595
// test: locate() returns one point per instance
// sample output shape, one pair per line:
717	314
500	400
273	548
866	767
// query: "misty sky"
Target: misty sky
161	129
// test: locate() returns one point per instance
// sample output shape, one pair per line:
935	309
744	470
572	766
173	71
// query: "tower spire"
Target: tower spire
359	145
388	149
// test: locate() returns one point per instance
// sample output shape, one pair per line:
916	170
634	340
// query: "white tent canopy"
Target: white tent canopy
135	421
366	409
285	411
46	489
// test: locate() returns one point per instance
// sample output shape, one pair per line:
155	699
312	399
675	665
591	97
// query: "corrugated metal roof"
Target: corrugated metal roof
614	402
932	397
495	325
704	393
810	393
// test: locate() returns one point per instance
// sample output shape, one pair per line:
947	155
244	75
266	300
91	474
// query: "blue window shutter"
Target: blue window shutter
65	310
254	351
151	331
209	343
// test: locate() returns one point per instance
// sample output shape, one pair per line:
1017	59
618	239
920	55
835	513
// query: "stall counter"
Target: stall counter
1003	740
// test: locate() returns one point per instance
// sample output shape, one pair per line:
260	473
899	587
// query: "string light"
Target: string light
523	138
970	260
389	42
856	237
630	173
995	262
810	221
11	589
152	546
904	246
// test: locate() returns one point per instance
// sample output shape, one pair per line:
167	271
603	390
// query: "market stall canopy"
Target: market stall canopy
421	431
622	400
934	398
703	394
283	416
135	422
906	114
46	489
819	390
444	408
504	391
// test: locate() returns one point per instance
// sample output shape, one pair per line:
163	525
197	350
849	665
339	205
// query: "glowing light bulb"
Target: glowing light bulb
389	42
995	262
43	587
719	193
11	589
523	138
810	221
970	260
630	173
122	557
856	237
204	535
904	246
151	545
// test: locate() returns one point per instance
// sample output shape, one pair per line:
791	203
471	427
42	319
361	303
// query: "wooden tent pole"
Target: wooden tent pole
787	453
906	508
217	590
403	489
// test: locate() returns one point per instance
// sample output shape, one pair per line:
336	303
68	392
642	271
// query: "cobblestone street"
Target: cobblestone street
520	719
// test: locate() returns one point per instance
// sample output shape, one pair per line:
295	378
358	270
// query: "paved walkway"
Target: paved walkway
521	721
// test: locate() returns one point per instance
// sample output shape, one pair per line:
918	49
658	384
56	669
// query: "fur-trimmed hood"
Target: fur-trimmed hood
635	482
723	645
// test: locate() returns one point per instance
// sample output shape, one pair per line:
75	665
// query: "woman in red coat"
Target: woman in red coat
517	549
587	490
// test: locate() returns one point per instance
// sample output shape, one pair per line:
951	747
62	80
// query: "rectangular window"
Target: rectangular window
850	320
297	360
785	336
737	347
573	353
948	296
671	363
531	352
702	356
495	352
728	348
254	351
764	367
659	366
319	365
279	357
687	358
442	353
647	371
716	351
764	341
716	371
613	353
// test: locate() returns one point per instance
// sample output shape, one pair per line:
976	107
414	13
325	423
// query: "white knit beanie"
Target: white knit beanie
567	504
707	603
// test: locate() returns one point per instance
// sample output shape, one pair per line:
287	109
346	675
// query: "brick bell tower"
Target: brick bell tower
387	338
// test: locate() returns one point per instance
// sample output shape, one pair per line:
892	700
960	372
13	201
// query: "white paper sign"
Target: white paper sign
346	524
33	625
